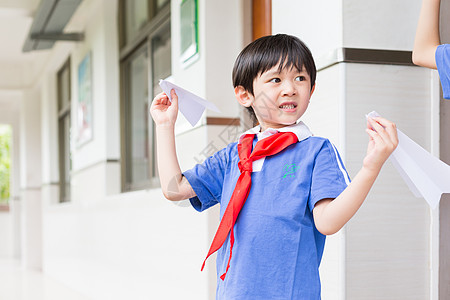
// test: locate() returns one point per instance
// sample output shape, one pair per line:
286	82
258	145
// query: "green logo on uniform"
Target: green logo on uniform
289	170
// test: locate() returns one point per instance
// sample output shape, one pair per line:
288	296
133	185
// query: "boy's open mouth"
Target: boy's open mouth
288	106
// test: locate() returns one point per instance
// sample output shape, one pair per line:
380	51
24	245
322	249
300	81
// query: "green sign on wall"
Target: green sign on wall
189	30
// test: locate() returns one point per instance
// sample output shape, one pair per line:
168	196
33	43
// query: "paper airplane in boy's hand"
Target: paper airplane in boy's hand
190	105
425	175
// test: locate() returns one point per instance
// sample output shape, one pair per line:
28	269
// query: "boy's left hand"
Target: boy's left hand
383	141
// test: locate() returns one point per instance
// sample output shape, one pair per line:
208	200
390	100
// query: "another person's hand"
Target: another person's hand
164	112
383	141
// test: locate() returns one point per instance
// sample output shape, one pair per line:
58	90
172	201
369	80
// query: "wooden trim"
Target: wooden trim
261	18
63	113
376	56
365	56
223	121
4	208
121	23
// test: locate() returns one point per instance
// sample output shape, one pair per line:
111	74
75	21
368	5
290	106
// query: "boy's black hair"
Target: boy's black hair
261	55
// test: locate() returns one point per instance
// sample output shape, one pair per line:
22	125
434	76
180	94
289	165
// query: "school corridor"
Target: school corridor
86	219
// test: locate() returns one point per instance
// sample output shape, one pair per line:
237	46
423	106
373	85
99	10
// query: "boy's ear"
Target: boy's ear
243	96
312	90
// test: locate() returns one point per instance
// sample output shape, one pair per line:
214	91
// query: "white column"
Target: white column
9	114
391	232
30	154
15	183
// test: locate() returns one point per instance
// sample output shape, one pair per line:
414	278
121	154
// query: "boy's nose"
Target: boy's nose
288	89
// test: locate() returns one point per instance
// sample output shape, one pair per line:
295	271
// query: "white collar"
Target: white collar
300	130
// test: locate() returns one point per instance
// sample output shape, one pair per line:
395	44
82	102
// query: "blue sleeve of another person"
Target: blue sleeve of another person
329	177
443	65
206	180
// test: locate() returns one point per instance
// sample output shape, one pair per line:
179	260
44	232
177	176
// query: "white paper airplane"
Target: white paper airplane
425	175
190	105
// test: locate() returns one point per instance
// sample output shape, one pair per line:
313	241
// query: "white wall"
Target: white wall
388	240
10	114
222	48
317	23
101	41
137	245
330	24
381	24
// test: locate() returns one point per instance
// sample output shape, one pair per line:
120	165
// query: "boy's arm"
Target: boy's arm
173	184
331	215
427	35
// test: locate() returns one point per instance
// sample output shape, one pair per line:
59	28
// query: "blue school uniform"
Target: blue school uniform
277	249
442	57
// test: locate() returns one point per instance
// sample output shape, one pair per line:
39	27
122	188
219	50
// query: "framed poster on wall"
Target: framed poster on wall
84	104
189	31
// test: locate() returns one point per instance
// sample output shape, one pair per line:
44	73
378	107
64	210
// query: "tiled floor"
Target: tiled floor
19	284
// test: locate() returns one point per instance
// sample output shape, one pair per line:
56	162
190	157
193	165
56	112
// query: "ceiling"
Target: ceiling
21	70
16	17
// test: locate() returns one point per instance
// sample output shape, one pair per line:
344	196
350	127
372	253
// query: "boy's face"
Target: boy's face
280	98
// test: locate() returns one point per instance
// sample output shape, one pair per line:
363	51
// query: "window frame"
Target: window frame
155	25
63	114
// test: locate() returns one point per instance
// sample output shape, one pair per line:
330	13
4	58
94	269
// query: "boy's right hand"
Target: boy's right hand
164	112
383	140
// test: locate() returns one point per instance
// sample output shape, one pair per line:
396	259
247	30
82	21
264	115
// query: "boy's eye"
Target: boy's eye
275	80
300	78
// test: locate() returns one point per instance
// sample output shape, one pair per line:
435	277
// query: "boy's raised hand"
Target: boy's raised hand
164	112
383	141
331	215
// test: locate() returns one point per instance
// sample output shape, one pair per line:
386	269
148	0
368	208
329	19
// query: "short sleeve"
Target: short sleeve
329	177
206	180
443	65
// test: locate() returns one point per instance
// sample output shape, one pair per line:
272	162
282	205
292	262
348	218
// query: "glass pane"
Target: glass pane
64	128
64	88
188	27
161	57
65	158
160	4
136	16
161	69
137	118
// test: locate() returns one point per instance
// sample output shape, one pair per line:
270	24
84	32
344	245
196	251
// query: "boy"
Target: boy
428	51
293	184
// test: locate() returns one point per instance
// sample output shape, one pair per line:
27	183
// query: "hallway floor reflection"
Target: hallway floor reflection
19	284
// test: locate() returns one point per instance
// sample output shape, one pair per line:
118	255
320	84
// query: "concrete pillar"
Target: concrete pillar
444	208
363	50
30	181
15	183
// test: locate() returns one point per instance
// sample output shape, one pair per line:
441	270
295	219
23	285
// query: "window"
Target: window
138	15
5	164
145	58
65	161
